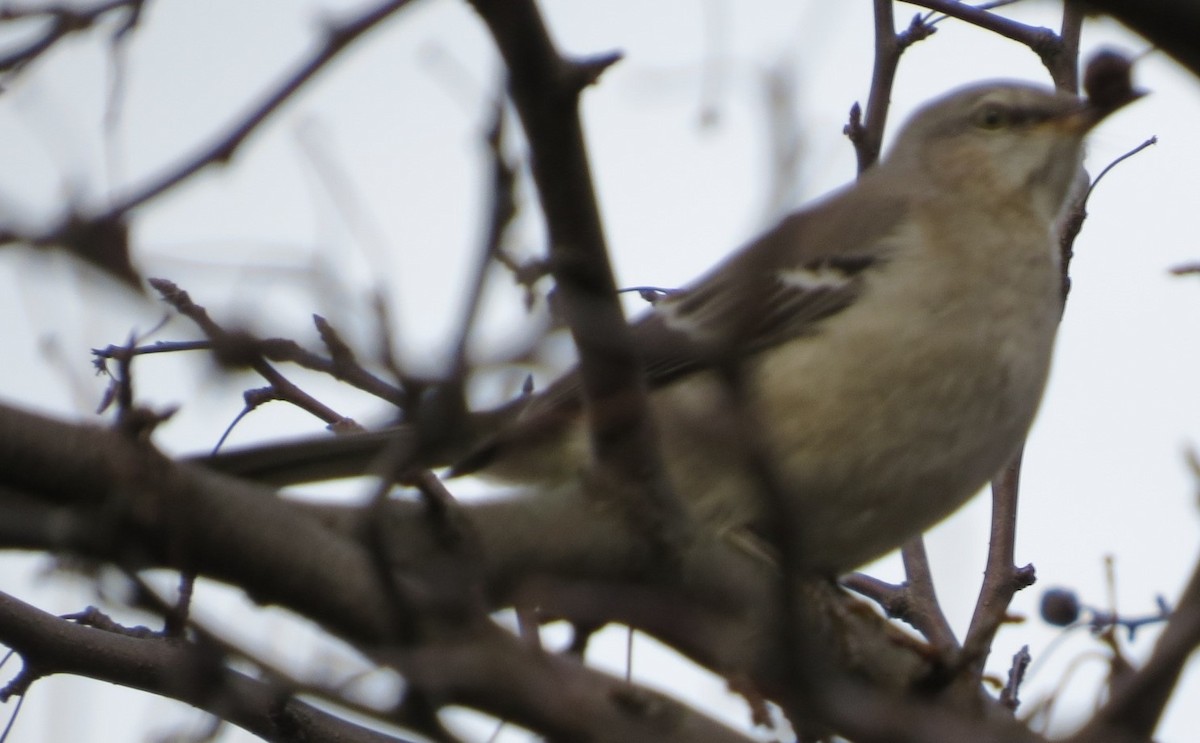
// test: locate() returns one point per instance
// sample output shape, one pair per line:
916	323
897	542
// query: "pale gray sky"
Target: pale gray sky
400	118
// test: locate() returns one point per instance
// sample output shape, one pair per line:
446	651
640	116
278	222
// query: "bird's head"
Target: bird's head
1000	141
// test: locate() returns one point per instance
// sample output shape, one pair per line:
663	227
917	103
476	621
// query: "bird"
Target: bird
892	343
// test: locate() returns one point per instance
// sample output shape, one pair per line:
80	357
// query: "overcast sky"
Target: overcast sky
681	145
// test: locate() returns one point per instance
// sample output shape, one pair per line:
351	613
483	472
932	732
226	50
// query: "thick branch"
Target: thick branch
170	668
157	513
545	88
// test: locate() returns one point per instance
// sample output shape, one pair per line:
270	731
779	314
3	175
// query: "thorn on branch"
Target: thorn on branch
1016	675
96	619
584	72
918	30
339	351
1024	576
19	685
650	294
854	129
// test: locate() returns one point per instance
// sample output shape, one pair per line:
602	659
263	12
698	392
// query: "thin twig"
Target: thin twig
914	602
338	37
924	610
1073	220
501	211
65	21
867	135
1148	143
1034	37
1001	577
1010	694
340	365
231	347
102	237
1137	704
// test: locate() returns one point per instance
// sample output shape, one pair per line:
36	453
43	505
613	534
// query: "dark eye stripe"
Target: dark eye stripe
996	116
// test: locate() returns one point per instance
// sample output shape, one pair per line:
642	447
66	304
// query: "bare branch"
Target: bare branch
338	37
170	667
238	349
103	238
64	21
924	612
1137	704
867	136
1001	578
545	88
1036	38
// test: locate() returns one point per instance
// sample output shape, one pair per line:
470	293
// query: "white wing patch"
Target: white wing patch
795	300
814	277
675	317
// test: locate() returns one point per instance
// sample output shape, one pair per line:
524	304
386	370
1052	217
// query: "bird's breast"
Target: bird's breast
894	411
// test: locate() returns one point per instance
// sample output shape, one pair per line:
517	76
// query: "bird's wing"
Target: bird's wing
809	267
732	317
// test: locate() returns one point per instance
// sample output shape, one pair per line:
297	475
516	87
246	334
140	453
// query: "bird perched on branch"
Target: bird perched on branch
891	342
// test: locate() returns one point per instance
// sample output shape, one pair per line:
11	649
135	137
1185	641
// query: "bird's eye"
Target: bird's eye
992	116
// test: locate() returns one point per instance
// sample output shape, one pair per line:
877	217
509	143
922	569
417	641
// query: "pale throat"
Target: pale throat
1035	175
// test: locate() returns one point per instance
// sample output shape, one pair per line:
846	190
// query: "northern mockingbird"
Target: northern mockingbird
893	340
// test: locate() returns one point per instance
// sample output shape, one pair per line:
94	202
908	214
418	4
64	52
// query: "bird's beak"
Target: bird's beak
1090	112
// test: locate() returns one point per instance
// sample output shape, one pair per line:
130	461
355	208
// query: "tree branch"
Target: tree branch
169	667
156	513
1137	704
545	89
1001	577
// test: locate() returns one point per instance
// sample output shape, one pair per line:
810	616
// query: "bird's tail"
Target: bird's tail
333	457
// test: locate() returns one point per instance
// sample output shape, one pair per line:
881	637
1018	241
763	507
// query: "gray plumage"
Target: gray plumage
893	339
